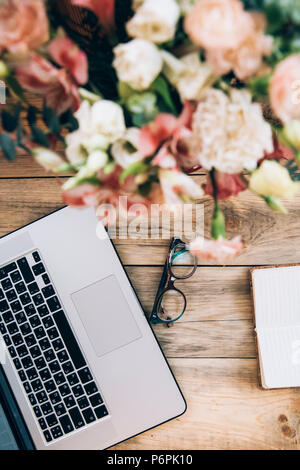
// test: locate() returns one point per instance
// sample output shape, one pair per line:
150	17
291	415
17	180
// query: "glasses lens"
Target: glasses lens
172	305
182	263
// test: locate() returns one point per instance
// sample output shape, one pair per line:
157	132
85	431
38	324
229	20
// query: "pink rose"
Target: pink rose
56	86
81	196
218	24
285	89
227	185
66	54
23	25
220	251
104	9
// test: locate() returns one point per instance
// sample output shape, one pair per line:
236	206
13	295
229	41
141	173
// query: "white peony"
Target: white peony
155	21
189	75
229	133
107	119
120	151
137	63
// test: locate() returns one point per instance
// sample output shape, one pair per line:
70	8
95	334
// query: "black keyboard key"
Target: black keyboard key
1	294
53	333
78	391
36	256
50	386
12	328
62	356
7	340
37	411
32	374
69	339
27	362
25	270
7	317
30	310
101	411
69	401
40	363
48	436
64	390
53	304
20	287
91	388
76	418
45	344
41	398
11	295
73	379
30	340
27	387
15	276
3	329
45	374
83	403
25	329
6	284
4	271
49	355
48	322
43	310
38	299
66	424
22	375
96	400
39	332
88	415
35	321
32	399
48	291
12	351
58	345
37	385
35	352
22	351
17	339
25	298
59	378
43	424
60	409
3	306
16	306
33	288
46	279
54	366
51	420
55	398
56	432
21	318
38	269
67	367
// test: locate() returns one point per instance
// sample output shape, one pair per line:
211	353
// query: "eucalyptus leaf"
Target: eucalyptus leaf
9	121
39	136
8	147
161	87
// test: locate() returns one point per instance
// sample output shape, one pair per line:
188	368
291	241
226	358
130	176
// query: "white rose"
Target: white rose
95	142
155	21
107	119
83	116
96	160
75	151
120	151
189	75
137	63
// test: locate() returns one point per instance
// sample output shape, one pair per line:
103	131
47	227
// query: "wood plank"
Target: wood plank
226	410
272	238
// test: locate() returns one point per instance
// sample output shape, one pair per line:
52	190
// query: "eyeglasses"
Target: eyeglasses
170	302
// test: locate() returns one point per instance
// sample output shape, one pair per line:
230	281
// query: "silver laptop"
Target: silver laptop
81	367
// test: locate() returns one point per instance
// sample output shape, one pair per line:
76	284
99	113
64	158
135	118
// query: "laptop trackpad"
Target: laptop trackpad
106	315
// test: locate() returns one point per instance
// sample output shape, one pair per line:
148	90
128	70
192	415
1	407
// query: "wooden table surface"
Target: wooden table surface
211	350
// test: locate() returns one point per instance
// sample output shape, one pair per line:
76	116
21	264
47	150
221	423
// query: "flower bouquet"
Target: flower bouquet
139	94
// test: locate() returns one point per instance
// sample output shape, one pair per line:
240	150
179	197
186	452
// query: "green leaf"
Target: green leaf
51	119
161	87
39	136
31	115
133	169
9	121
8	147
15	88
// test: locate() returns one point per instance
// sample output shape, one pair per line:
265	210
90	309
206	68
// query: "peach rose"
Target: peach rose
246	60
285	89
220	251
23	25
218	24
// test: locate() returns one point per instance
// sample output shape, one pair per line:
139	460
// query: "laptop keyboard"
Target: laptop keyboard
56	378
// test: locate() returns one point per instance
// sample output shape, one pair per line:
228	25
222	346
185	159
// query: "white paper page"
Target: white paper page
280	356
277	297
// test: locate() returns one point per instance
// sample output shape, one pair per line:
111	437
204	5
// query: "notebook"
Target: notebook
276	308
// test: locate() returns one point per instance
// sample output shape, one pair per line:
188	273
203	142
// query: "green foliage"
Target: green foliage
133	169
293	170
10	120
259	87
8	147
162	88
